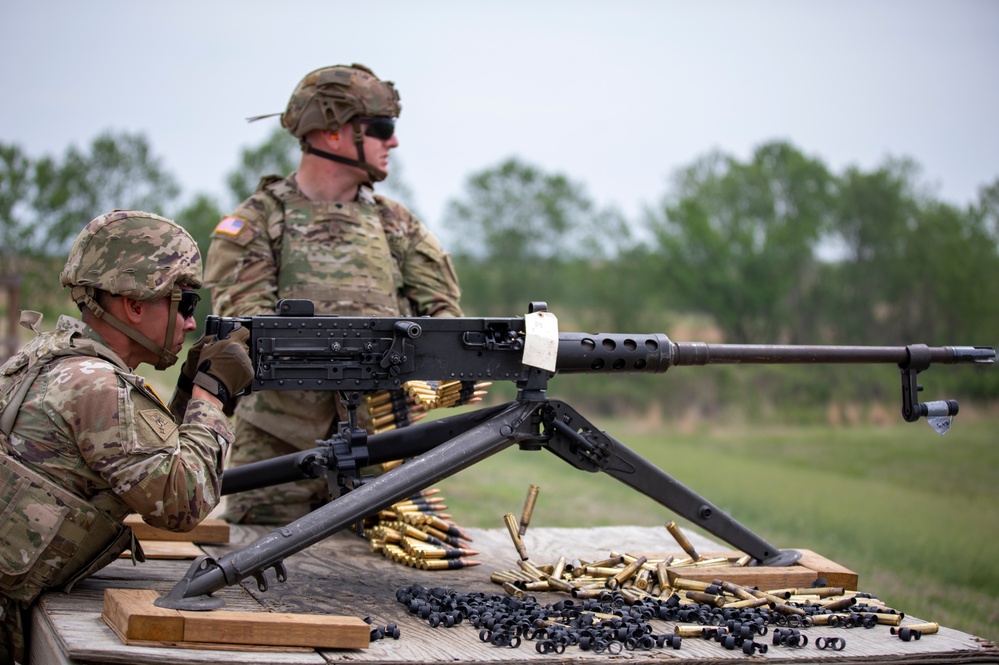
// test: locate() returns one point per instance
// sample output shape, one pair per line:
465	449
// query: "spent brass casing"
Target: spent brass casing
736	590
928	628
689	585
601	571
499	577
747	602
525	515
606	563
827	619
531	570
538	586
840	604
681	540
587	592
706	598
889	619
559	584
511	526
642	579
626	573
559	569
788	609
826	591
689	631
514	591
661	576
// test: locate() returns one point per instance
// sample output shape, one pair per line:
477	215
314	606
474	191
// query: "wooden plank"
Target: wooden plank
133	616
277	629
210	530
802	573
166	549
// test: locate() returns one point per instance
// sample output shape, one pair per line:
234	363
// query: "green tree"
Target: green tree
118	171
15	193
516	229
738	241
278	155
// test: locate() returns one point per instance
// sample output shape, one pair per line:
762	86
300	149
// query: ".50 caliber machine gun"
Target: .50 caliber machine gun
296	350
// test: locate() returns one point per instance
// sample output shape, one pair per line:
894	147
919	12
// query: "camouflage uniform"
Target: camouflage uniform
84	441
369	257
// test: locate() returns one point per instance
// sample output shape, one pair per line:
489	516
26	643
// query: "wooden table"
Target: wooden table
341	576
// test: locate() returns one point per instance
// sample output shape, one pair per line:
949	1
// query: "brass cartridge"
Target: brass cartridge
681	540
840	604
706	598
525	515
625	573
915	630
511	526
689	585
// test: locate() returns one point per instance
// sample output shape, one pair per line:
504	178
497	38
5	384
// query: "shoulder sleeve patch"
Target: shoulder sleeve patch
159	422
230	226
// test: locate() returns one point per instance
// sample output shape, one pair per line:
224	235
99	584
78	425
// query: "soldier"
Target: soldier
322	234
83	440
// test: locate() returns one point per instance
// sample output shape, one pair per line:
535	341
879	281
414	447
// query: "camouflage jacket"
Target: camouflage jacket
367	257
94	428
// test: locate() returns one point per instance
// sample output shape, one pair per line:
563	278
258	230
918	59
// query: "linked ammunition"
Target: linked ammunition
447	564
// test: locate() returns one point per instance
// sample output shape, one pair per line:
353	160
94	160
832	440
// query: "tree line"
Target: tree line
777	248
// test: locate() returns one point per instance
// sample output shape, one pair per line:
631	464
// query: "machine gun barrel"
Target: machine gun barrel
699	353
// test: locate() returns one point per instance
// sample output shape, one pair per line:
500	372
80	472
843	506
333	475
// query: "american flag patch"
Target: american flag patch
230	226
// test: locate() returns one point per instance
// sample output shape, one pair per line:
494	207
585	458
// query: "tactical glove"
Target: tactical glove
185	382
224	366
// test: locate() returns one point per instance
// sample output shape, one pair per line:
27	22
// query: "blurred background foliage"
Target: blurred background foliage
774	249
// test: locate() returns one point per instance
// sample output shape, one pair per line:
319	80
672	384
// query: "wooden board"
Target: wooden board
133	616
802	574
211	530
166	549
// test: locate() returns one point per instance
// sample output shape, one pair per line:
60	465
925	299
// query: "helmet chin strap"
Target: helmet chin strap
376	174
85	294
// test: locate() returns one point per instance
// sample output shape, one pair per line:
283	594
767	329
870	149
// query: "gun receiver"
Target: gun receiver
295	350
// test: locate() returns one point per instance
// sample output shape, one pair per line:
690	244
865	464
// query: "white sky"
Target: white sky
615	95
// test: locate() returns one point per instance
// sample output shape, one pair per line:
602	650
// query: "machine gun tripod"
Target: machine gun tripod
296	350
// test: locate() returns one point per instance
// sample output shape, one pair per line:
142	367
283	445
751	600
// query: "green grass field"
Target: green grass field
913	513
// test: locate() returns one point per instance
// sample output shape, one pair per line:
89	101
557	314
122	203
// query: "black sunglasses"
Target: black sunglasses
188	303
379	128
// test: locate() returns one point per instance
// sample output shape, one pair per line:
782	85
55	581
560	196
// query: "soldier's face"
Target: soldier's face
158	320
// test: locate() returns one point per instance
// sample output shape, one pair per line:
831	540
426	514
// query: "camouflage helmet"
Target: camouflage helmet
134	254
329	97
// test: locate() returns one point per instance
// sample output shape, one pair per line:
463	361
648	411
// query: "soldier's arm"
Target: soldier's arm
168	473
240	268
429	279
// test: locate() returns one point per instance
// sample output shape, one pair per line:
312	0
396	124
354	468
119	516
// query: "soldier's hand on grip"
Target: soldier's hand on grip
224	367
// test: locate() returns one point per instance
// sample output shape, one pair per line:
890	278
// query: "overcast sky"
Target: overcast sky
615	95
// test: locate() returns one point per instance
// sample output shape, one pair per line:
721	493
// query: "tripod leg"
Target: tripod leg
514	424
581	444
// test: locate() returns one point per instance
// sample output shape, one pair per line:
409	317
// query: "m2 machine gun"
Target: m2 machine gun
296	350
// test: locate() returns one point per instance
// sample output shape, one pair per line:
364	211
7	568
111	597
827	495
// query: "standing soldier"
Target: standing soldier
322	234
83	440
